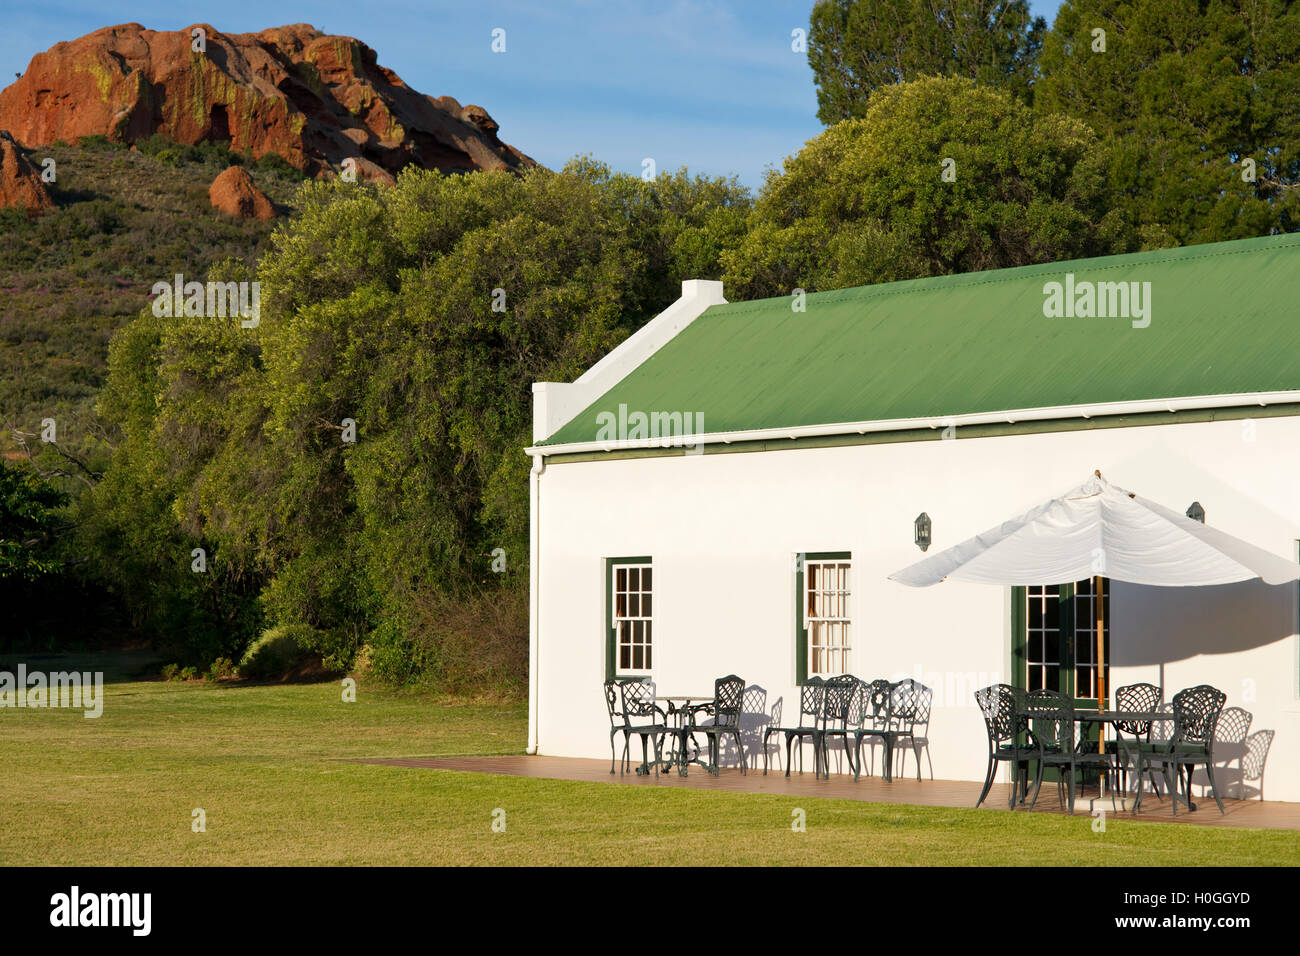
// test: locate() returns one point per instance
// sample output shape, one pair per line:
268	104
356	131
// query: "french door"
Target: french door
1054	639
1054	643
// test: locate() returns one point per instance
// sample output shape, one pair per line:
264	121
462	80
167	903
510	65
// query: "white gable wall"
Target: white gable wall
723	530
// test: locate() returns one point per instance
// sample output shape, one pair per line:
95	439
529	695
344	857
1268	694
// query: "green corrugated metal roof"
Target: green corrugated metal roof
1223	321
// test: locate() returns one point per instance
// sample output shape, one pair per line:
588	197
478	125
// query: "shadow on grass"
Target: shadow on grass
118	667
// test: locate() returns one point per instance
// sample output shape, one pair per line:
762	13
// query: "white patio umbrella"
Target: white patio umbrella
1098	530
1101	530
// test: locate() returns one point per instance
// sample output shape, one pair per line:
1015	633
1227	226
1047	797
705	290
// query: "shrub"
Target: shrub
363	662
337	647
189	673
222	669
275	163
276	653
475	643
155	144
171	672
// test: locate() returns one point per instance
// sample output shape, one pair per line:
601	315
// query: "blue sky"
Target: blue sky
708	84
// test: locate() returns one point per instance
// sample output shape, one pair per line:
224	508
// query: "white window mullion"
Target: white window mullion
826	603
633	613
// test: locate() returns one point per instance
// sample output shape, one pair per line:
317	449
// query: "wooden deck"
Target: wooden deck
1271	815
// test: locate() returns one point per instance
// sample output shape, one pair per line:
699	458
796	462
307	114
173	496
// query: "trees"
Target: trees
857	47
29	524
939	176
1199	98
420	315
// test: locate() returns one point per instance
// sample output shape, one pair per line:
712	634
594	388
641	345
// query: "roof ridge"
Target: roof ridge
928	284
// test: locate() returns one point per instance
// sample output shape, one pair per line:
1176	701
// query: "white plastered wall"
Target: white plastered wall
723	530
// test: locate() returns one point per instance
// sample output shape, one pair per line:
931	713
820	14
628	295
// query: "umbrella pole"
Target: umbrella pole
1100	614
1100	620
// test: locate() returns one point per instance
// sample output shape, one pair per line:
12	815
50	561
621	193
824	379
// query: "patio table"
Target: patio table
679	708
1104	717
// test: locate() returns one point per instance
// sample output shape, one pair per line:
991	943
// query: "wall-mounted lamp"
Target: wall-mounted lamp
922	529
1196	512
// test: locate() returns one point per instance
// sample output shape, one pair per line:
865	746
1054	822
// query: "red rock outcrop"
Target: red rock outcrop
311	98
20	181
233	192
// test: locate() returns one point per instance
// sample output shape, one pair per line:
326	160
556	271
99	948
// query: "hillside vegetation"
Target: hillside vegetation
124	220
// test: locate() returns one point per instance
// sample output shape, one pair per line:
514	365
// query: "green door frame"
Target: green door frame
1068	637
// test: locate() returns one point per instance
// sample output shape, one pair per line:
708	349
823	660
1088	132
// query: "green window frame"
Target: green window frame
612	616
800	605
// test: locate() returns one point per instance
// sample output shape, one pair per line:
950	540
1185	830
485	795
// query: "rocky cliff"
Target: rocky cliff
311	98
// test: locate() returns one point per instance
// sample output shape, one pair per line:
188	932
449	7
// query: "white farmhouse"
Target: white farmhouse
818	429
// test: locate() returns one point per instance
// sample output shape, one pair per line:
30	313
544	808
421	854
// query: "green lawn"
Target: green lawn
264	763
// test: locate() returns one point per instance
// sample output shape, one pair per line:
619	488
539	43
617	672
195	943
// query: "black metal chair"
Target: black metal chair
841	709
910	703
1196	717
641	718
1051	726
906	705
1002	707
875	721
812	695
724	710
1140	698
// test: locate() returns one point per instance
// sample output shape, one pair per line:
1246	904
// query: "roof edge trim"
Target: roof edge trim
1099	410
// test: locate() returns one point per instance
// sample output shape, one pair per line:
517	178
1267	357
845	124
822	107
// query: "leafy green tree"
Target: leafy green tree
1198	97
30	523
940	176
129	525
856	47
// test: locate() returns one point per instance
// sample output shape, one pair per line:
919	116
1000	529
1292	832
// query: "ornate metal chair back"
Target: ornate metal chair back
728	696
998	703
812	697
840	692
909	703
858	705
1137	697
1051	719
638	701
877	703
1196	714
